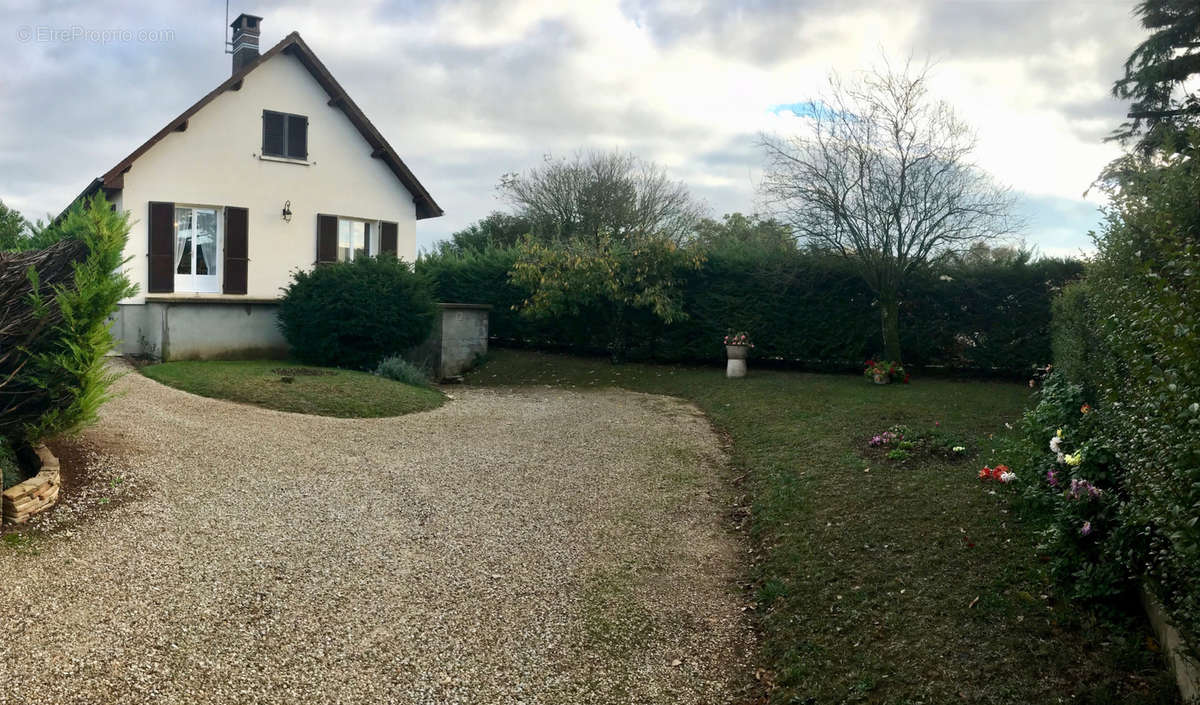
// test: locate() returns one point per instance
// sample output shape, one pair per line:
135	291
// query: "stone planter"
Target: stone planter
882	379
38	493
735	367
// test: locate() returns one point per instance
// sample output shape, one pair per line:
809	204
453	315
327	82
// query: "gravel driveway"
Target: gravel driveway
514	546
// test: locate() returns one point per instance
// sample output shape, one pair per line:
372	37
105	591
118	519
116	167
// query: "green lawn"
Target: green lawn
329	392
878	581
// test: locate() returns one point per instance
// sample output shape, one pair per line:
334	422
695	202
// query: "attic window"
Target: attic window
284	135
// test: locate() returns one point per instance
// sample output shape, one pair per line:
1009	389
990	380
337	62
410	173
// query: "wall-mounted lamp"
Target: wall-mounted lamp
287	211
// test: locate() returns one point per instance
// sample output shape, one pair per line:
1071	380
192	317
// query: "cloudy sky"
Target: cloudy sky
466	91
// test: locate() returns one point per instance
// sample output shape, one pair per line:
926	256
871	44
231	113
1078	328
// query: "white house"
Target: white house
275	170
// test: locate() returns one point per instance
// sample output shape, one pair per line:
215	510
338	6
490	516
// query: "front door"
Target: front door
197	241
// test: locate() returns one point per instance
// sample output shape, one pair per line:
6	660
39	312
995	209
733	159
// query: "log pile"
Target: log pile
40	492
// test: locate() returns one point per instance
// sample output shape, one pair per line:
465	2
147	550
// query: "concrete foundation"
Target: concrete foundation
218	329
198	329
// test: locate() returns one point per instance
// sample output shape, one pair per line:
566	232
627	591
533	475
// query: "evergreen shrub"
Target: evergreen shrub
354	314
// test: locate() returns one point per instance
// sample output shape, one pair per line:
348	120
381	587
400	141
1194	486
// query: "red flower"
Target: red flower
906	378
985	473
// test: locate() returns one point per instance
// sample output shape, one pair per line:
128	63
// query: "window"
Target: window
197	241
285	135
354	238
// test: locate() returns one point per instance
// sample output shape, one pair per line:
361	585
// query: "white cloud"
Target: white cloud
467	90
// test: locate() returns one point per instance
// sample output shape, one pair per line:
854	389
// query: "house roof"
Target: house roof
292	44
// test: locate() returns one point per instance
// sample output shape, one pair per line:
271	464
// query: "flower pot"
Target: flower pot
736	365
882	378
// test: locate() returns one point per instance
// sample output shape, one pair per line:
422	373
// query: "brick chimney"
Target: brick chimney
245	40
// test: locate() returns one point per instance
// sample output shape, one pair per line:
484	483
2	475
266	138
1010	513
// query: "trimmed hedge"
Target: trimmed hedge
801	308
354	314
1127	339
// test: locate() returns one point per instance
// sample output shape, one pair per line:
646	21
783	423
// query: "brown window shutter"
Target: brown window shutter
387	238
161	249
327	238
297	137
273	126
237	249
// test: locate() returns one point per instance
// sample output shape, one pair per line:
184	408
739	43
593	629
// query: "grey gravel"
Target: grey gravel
514	546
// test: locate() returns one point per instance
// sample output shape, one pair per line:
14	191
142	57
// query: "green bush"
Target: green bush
1127	343
59	380
401	370
10	470
1072	486
799	307
1077	348
353	314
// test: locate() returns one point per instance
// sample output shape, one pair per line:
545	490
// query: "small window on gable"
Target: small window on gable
284	135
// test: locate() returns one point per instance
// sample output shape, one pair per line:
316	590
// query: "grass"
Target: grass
328	392
882	581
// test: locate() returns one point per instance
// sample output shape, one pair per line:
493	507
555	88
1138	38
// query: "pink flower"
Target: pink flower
1086	529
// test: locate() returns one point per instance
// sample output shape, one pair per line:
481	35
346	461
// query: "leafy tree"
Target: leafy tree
738	229
601	196
883	176
496	230
1156	75
13	229
607	276
982	253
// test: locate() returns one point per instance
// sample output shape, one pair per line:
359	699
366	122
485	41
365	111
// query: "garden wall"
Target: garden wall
802	309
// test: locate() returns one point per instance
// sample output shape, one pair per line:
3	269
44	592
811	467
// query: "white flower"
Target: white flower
958	449
1055	443
1008	476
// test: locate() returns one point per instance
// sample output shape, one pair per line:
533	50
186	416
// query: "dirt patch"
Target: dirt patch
93	483
301	372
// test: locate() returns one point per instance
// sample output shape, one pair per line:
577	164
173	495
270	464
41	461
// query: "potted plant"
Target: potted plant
884	372
737	349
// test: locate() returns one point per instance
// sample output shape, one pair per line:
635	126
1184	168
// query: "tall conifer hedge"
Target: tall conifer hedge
799	308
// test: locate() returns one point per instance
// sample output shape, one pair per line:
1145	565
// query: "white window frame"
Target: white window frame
370	241
186	283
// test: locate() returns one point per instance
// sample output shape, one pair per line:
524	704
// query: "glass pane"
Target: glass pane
183	240
359	232
343	254
206	242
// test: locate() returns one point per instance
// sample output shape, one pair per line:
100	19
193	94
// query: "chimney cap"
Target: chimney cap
251	21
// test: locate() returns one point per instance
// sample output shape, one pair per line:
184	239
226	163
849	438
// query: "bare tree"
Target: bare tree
601	192
884	177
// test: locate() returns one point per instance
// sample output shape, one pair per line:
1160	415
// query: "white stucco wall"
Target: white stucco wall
215	162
